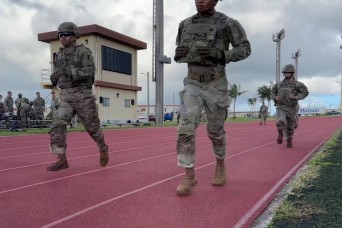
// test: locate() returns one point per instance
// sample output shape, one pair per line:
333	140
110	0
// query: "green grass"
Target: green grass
316	198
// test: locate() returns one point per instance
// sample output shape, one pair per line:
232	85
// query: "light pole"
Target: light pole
277	38
148	95
295	56
341	85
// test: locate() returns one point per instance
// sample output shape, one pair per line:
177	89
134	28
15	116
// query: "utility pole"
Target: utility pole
148	95
159	59
277	38
341	83
295	56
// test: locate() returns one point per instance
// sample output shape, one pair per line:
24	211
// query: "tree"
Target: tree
265	93
234	92
252	102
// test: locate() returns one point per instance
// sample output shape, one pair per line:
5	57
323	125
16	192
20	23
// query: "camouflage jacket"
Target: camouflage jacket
77	64
286	87
9	104
2	107
38	102
263	110
218	31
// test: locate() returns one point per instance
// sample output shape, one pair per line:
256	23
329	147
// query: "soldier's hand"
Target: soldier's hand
54	78
210	53
277	98
293	97
180	52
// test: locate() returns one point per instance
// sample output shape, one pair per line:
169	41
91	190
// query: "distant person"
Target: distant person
2	108
9	103
73	73
286	94
39	106
206	42
263	111
55	101
23	110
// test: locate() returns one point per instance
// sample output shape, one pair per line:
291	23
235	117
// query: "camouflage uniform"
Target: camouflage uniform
39	107
24	111
206	85
2	108
9	104
263	114
287	107
74	72
54	105
203	42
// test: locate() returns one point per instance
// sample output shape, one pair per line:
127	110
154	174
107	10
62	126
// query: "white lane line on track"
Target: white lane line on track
173	142
273	190
140	189
173	177
143	140
71	142
80	174
77	148
126	163
86	156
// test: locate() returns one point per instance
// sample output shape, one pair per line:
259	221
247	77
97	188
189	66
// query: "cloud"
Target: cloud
311	25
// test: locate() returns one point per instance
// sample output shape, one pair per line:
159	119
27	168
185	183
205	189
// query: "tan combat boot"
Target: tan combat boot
220	173
104	158
280	137
289	142
189	181
61	163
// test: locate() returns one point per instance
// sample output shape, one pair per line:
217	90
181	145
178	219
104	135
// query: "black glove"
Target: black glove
54	78
59	73
181	52
210	53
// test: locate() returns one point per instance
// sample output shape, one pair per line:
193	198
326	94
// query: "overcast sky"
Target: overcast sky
313	26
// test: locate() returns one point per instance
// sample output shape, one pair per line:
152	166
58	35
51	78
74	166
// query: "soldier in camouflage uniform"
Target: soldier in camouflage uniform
263	113
203	42
23	110
39	106
2	108
286	94
55	101
74	72
9	103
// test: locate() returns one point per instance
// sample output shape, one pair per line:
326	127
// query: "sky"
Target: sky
313	26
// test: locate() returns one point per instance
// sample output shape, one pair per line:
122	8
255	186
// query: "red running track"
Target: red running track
137	188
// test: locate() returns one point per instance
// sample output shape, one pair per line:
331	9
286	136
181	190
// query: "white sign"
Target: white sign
311	110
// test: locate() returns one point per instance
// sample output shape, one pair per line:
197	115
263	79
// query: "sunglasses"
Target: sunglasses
65	34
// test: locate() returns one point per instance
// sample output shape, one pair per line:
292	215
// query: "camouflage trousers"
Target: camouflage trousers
287	119
39	110
213	98
75	101
24	116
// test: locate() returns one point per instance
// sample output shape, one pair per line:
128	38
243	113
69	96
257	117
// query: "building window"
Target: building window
116	61
105	102
127	103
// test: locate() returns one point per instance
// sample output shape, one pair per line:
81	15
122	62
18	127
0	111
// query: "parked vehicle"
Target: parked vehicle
333	113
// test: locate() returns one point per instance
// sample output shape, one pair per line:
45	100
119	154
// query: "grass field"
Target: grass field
316	197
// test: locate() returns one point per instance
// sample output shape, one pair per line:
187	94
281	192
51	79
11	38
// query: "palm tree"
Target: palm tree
252	102
265	93
234	92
